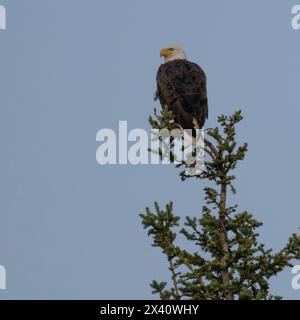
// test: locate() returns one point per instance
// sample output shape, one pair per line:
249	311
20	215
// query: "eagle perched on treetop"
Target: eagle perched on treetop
181	85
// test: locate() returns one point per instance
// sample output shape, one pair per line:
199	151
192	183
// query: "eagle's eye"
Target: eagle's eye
171	49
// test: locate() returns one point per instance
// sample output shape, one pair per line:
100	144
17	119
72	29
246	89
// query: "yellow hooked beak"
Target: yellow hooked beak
165	53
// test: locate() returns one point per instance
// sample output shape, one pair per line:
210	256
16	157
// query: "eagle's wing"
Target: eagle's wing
181	85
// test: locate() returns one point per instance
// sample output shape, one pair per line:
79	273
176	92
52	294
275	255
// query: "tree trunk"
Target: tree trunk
224	240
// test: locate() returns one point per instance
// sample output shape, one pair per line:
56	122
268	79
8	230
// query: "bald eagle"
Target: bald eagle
181	85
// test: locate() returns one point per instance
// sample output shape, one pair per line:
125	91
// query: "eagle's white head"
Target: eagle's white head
172	52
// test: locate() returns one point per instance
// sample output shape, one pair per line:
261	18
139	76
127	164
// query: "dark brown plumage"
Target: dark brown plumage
181	85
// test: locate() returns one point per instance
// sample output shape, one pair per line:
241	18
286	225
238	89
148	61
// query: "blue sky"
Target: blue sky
69	227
